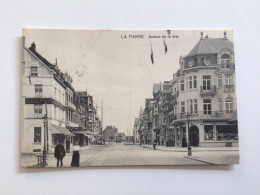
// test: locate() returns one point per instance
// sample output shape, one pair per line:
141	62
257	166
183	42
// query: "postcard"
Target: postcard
128	98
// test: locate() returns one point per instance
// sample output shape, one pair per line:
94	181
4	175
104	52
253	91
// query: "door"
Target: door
194	136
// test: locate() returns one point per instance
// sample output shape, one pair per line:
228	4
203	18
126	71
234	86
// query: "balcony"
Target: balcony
225	114
208	90
229	88
70	105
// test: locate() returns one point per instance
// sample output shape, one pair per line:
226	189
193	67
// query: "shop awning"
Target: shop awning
233	120
60	130
89	134
81	132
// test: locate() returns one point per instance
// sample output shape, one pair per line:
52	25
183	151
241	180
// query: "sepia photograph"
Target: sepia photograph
128	98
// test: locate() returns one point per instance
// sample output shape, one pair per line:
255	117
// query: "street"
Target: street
122	154
128	154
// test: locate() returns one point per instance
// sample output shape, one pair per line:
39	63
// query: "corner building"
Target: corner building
46	90
204	96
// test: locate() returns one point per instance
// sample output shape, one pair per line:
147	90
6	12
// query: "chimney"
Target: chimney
225	35
201	35
33	47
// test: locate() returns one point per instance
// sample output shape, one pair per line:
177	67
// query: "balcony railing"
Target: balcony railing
229	88
208	90
71	105
225	114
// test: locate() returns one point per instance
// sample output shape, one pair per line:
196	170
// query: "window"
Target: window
66	98
191	106
228	79
55	112
194	82
229	105
34	71
59	96
38	110
225	61
195	106
227	132
182	107
206	82
220	80
190	82
207	106
55	91
208	132
220	105
37	134
38	90
182	84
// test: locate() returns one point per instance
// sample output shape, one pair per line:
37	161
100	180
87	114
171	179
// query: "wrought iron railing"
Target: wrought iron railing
229	88
207	89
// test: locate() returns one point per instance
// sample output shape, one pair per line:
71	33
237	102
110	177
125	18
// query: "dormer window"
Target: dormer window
34	71
190	63
225	61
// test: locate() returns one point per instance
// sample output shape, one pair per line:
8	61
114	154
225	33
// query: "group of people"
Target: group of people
60	153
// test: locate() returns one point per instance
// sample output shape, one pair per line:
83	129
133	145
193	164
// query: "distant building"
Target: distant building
123	136
110	133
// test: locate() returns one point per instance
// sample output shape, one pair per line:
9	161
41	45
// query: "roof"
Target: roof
166	87
60	130
147	102
51	66
211	45
82	93
156	87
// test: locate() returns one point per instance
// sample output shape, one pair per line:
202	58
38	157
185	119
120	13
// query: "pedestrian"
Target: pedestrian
59	153
154	144
76	155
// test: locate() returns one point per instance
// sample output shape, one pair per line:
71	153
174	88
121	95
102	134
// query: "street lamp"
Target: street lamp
45	122
188	115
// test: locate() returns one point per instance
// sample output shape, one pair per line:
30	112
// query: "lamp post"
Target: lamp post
188	144
45	122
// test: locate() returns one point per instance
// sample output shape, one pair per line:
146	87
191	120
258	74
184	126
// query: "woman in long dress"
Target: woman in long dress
76	155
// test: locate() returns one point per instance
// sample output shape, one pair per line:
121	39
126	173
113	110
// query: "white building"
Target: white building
45	89
204	87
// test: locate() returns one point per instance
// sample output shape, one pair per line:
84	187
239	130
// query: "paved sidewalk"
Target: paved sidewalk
28	160
197	149
209	155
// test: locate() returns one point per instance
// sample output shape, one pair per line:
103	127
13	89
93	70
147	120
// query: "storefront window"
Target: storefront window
208	131
227	132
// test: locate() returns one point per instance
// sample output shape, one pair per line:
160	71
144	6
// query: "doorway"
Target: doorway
194	136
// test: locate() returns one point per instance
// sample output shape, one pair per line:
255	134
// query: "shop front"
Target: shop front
219	134
170	136
61	135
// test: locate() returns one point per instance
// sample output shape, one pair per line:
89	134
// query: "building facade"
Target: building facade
110	133
199	103
49	91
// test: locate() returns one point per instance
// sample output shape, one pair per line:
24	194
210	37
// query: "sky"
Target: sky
115	66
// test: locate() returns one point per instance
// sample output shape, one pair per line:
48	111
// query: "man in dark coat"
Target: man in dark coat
59	153
154	144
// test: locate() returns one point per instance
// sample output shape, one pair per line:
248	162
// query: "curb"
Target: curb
208	162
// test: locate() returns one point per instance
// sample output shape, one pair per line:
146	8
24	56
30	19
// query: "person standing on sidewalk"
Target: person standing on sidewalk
76	155
154	144
59	153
